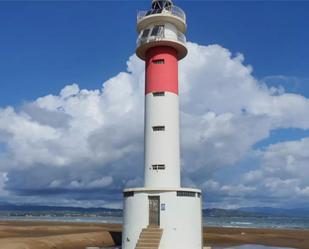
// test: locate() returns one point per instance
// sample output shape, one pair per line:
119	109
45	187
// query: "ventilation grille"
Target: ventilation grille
186	193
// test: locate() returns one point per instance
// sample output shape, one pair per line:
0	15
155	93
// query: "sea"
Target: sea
284	222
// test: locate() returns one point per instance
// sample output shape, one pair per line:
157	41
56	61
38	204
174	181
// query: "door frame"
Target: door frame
159	207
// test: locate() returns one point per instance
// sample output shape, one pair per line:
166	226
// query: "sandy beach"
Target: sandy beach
56	235
65	235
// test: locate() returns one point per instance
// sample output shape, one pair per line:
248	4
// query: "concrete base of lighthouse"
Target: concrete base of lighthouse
177	211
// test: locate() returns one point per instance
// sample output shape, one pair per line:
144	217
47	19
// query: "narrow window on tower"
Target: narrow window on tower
158	61
158	94
158	128
145	33
157	30
158	167
161	167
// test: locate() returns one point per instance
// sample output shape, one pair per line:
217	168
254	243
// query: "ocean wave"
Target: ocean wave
241	223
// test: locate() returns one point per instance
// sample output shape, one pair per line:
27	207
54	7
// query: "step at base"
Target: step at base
149	238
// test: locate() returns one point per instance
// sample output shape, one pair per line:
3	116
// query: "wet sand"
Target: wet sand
65	235
268	237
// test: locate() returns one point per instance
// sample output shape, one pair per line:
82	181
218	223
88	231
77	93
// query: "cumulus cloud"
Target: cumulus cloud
3	180
86	145
283	171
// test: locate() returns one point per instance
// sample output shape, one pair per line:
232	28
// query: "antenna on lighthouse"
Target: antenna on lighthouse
161	4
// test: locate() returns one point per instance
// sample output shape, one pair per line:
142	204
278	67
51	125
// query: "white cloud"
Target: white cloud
253	176
283	171
101	183
3	180
228	190
96	183
84	139
303	192
69	91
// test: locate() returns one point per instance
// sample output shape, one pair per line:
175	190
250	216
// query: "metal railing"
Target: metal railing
173	10
160	37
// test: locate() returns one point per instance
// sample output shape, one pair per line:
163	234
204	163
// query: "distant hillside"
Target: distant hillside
13	209
256	212
277	211
32	209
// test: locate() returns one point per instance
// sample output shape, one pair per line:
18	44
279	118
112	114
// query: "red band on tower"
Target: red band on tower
161	70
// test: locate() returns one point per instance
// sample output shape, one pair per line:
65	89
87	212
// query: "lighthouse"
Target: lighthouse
162	214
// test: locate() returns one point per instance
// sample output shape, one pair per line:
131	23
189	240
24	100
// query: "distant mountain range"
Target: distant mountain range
257	211
34	210
277	211
6	208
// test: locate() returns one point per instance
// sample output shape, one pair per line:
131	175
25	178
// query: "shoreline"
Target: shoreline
78	235
97	220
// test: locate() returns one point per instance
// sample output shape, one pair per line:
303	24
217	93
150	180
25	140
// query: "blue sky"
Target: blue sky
46	46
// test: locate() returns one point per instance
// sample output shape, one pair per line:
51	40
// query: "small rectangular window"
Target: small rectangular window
158	94
158	61
158	167
186	193
158	128
161	167
128	194
157	30
199	195
145	33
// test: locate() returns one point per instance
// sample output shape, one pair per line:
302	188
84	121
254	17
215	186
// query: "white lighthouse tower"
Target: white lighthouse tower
162	214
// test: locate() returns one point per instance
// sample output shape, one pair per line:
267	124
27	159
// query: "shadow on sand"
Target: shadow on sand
117	238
